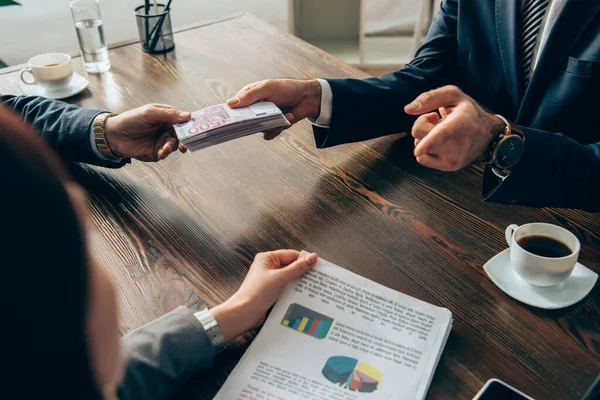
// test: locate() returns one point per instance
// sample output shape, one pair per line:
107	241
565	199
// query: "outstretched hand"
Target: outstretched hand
145	133
297	99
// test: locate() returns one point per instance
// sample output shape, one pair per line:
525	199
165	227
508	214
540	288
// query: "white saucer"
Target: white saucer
76	85
566	293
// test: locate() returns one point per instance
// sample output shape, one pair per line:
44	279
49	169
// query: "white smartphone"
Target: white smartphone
495	389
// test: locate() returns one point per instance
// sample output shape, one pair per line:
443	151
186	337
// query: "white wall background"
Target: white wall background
391	17
40	26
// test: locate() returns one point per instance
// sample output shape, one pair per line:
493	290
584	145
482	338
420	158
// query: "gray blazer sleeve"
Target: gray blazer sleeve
163	354
65	127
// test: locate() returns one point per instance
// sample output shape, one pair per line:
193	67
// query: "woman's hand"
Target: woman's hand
268	276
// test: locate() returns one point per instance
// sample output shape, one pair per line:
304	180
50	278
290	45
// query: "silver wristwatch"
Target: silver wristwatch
212	329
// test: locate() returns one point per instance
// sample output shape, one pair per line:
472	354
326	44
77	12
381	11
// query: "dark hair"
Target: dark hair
43	272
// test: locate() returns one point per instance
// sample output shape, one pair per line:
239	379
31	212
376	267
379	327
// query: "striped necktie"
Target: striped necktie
532	15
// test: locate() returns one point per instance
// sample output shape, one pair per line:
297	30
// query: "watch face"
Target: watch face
509	152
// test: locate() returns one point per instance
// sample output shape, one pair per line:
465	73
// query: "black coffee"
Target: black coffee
544	246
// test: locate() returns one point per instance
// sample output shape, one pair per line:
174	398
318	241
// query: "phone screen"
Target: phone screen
498	391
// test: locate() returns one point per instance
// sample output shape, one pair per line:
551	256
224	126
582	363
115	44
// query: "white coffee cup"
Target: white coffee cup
539	270
52	71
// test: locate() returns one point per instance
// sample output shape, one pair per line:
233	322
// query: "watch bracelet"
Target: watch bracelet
489	154
212	329
100	139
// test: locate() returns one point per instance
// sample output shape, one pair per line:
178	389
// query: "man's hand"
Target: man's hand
297	99
456	139
145	133
268	276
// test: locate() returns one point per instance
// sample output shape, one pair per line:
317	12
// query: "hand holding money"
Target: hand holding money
297	98
220	123
145	133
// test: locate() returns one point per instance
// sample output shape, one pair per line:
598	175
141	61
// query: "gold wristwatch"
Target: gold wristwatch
507	149
98	127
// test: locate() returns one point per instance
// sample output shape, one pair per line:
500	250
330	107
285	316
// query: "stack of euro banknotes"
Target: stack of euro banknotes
220	123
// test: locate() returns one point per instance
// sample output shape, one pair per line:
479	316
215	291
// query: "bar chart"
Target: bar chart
305	320
352	374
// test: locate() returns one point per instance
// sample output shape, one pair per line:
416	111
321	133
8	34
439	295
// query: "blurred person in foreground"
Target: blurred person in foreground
60	324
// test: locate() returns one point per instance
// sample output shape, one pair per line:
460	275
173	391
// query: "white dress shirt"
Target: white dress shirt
552	12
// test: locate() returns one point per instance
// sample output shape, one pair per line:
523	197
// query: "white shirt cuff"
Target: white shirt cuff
93	144
324	119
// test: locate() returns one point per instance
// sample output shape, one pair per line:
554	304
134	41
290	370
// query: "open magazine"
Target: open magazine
334	335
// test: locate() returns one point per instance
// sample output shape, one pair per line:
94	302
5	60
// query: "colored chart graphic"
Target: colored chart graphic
307	321
351	374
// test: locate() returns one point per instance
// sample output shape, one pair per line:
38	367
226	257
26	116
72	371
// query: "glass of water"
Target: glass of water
90	33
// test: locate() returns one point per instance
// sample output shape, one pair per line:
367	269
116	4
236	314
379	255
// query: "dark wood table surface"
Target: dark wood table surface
184	231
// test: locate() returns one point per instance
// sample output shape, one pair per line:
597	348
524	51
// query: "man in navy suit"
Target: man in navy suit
98	137
512	82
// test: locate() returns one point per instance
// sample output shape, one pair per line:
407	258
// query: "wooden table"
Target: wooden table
184	231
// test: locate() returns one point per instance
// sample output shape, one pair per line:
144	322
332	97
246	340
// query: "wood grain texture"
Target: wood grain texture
184	231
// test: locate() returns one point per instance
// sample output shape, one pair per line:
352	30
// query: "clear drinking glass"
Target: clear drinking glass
90	33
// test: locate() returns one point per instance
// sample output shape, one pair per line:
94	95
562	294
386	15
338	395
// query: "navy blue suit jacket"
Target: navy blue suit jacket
65	127
474	44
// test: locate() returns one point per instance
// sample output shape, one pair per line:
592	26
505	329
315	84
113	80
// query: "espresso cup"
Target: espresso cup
52	71
561	253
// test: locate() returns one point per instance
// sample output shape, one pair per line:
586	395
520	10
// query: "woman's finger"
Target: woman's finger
299	267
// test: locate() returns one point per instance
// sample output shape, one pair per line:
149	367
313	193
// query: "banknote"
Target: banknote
220	123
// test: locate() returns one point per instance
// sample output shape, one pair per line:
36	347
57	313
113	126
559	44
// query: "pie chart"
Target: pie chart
352	374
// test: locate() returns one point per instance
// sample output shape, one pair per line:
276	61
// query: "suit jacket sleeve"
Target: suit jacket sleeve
163	354
555	171
367	108
65	127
